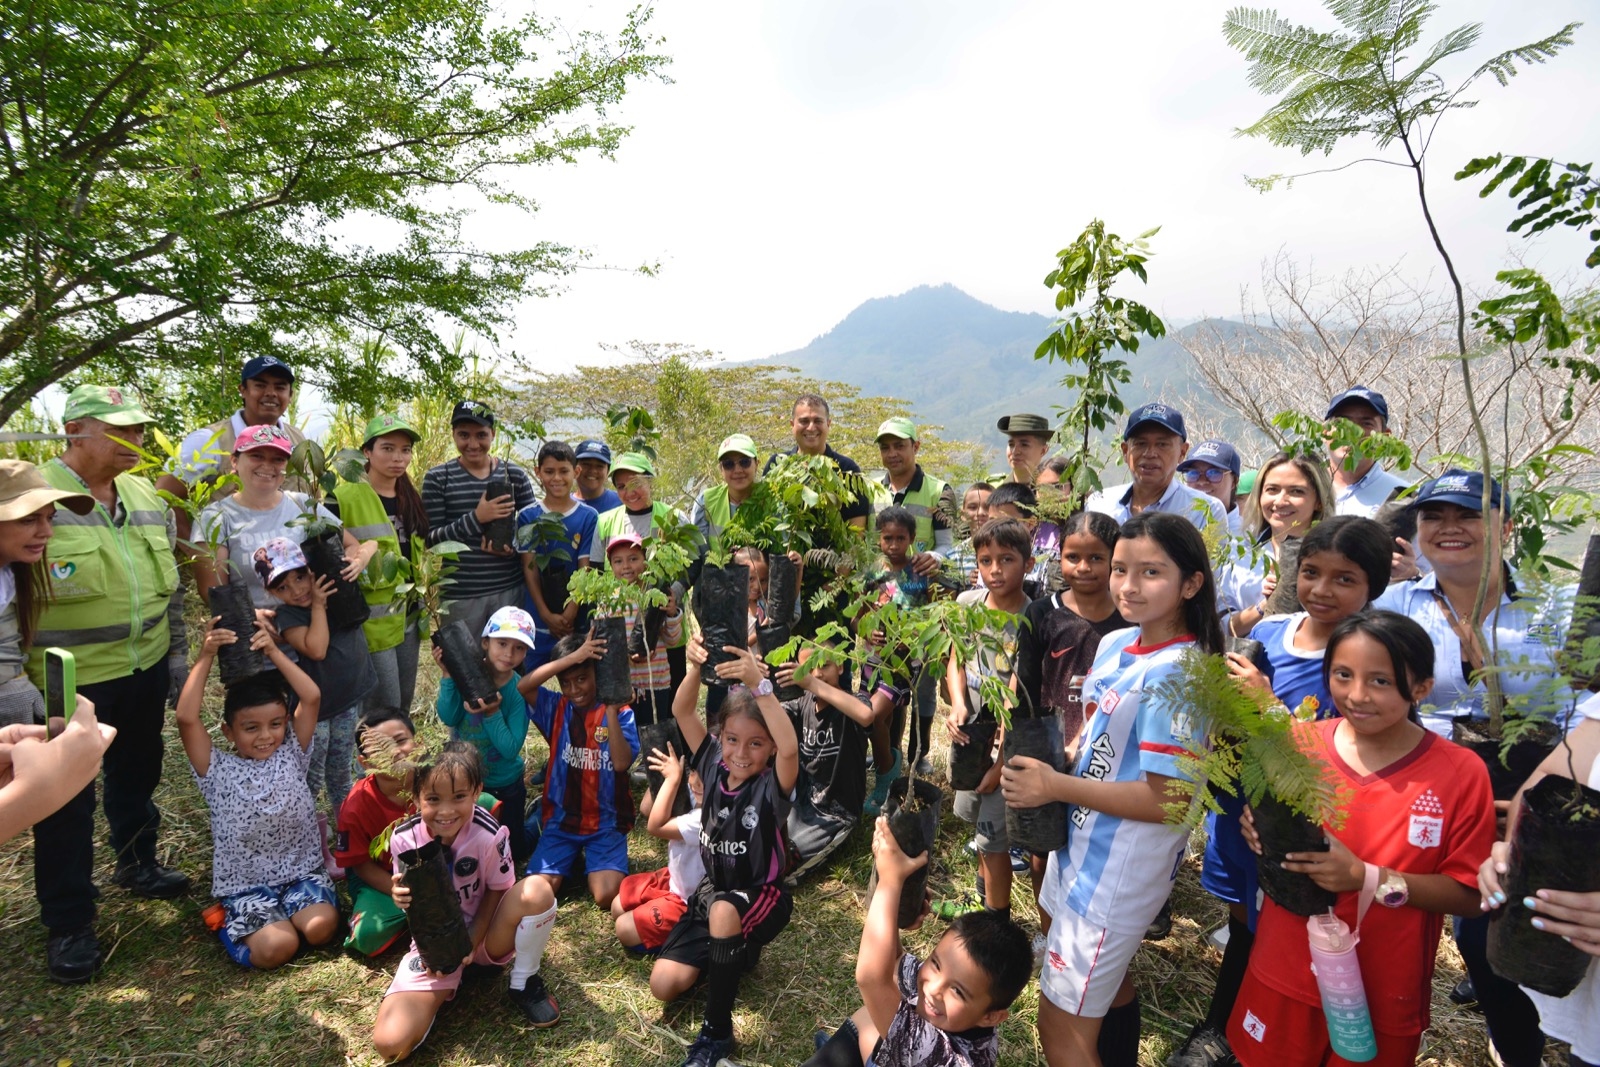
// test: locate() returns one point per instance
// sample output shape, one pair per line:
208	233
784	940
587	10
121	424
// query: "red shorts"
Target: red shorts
656	908
1270	1029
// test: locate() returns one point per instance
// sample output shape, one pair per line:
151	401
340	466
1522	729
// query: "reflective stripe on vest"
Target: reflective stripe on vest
110	585
361	511
922	504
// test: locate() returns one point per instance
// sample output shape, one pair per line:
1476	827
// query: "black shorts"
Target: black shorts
763	913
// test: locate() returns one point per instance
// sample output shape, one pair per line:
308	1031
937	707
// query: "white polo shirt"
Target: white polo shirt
1368	494
1179	499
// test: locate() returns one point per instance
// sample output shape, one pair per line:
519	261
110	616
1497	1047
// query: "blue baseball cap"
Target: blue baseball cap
1461	488
1163	415
255	368
1217	453
1370	397
592	449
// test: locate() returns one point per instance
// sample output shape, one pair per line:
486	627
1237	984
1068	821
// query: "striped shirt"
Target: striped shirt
1117	872
450	496
584	793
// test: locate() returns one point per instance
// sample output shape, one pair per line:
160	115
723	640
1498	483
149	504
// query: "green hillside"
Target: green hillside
962	363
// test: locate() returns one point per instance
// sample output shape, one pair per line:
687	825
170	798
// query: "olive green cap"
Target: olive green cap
637	462
388	422
104	402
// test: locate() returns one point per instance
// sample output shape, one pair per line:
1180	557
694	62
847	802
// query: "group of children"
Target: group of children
754	792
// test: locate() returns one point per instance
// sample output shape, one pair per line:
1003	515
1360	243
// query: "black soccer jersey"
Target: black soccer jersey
741	830
832	755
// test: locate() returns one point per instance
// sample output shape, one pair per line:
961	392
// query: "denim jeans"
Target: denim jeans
333	748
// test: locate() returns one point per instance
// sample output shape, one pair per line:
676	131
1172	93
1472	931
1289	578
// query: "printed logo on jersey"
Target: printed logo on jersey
1109	704
602	734
1427	821
465	866
1254	1026
749	819
1056	962
62	569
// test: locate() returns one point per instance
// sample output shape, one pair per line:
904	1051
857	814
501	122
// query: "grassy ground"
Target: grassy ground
168	994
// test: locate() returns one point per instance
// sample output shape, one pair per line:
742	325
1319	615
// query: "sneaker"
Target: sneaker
1019	861
1464	994
708	1051
151	880
972	846
924	768
1204	1048
536	1003
880	788
73	957
1160	927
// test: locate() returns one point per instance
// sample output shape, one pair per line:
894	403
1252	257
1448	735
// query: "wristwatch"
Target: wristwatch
763	688
1392	891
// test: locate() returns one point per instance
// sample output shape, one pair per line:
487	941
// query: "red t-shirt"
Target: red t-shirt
1429	812
365	814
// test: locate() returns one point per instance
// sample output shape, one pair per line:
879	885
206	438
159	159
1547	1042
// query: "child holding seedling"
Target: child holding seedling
650	671
266	857
649	905
337	661
1418	822
556	469
942	1012
1343	565
498	725
587	806
1004	549
894	581
749	772
1121	858
381	798
509	921
831	726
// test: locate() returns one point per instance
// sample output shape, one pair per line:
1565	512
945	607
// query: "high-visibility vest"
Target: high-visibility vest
718	509
109	586
922	503
362	513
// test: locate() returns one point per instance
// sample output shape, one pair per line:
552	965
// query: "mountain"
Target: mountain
962	363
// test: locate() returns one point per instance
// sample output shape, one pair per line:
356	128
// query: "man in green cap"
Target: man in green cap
117	607
933	503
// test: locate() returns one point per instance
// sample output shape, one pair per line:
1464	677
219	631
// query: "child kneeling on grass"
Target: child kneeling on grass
380	799
266	860
943	1012
749	771
587	807
649	905
509	921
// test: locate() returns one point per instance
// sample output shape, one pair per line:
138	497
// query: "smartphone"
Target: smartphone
60	687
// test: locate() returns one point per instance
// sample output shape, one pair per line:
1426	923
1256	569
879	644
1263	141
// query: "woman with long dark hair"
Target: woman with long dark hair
27	508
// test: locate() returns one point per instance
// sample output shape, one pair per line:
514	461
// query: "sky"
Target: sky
807	156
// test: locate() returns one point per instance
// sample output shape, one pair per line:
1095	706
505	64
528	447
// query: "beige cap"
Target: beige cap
24	491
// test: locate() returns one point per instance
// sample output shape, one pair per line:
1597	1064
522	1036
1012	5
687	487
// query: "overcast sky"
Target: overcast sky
811	154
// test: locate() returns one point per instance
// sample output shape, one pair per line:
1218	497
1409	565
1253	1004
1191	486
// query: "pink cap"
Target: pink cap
266	436
624	539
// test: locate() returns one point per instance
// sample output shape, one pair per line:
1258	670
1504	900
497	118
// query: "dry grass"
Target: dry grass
168	994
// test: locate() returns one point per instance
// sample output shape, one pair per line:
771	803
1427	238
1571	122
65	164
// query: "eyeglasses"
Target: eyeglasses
736	461
1195	475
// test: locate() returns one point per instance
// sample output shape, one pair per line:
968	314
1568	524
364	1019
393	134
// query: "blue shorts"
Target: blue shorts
1229	870
263	905
557	852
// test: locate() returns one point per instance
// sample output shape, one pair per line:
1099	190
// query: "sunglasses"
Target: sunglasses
1211	474
736	461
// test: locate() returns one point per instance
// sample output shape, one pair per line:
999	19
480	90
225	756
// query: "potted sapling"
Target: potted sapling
1555	838
550	553
462	650
323	542
1243	743
615	600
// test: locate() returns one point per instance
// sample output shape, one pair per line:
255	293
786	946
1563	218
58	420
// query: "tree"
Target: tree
696	400
1313	336
183	185
1361	82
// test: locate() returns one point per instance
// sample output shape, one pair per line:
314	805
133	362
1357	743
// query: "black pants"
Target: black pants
513	800
63	843
1513	1021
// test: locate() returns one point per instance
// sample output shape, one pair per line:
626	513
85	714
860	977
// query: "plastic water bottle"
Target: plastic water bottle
216	920
1344	997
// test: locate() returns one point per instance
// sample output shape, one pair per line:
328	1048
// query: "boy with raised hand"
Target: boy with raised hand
940	1013
587	805
555	614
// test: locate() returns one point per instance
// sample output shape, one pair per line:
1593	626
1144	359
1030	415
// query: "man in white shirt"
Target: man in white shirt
1153	445
1363	487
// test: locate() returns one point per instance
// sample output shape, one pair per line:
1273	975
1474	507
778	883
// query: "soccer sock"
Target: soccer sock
722	984
1119	1036
533	934
1230	976
843	1049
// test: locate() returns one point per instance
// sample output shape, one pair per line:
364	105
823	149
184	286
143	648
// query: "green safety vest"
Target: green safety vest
109	586
718	509
361	511
922	503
